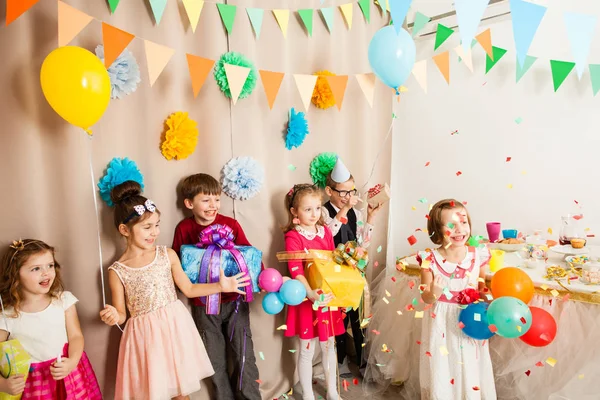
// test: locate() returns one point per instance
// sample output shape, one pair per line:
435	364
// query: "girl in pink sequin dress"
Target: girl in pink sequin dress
161	355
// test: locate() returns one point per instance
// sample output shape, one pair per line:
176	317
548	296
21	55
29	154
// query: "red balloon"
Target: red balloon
543	328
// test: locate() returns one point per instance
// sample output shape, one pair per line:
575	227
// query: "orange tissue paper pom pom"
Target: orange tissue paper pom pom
322	96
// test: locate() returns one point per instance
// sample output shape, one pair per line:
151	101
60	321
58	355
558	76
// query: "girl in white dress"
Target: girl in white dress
453	366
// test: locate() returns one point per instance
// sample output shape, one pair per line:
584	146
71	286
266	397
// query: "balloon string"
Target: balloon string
379	152
97	221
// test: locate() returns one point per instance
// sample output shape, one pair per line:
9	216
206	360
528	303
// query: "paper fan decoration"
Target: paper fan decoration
124	73
297	130
119	170
322	96
238	59
181	136
320	166
242	178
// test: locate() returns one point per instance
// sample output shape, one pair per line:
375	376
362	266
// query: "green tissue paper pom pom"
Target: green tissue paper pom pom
320	166
240	60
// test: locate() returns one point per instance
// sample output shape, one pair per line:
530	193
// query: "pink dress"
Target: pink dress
302	320
161	353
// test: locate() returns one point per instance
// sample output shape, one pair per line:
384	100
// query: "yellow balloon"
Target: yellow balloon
76	84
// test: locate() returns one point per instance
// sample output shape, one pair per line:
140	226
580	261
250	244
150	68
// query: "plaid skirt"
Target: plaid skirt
80	384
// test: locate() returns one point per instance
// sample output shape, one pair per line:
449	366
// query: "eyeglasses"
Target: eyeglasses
345	193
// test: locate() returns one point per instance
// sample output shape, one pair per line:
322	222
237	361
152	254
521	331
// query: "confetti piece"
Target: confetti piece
523	320
418	314
477	317
539	364
380	365
554	292
451	226
414	208
364	323
337	268
291	167
523	172
428	354
412	240
518	328
461	325
291	392
282	328
493	328
528	372
379	249
454	133
447	293
423	200
345	385
476	388
261	355
375	331
452	381
544	287
509	186
508	159
422	288
518	120
444	350
292	351
550	231
580	376
258	381
551	361
427	164
355	381
393	279
411	284
384	348
399	312
458	173
386	301
388	294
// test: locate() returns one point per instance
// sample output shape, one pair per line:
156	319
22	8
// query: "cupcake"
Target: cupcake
577	243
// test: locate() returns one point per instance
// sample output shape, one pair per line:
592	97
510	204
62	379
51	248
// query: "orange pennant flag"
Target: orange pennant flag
115	41
337	84
71	21
271	83
443	63
485	40
199	68
15	8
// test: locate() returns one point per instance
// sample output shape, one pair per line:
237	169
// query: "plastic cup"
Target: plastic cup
497	260
510	233
493	229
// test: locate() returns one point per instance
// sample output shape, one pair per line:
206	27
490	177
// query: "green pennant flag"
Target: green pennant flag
529	60
595	77
227	13
442	33
365	7
560	71
497	53
158	8
327	14
112	4
307	18
256	19
420	21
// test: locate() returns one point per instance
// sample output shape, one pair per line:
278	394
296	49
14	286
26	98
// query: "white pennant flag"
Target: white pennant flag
236	78
420	73
465	57
367	85
306	86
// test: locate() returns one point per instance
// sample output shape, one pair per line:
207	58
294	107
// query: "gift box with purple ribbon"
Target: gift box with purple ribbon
215	251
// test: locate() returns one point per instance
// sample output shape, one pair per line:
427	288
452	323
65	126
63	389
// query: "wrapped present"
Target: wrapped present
214	252
378	194
15	360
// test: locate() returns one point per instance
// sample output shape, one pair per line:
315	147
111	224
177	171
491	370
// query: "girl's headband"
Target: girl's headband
296	188
140	209
18	245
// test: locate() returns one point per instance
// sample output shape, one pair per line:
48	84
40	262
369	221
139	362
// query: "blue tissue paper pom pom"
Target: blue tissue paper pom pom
119	170
297	130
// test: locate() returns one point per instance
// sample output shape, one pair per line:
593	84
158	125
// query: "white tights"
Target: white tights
305	364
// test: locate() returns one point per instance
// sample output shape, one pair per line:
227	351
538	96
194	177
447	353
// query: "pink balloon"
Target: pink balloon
270	280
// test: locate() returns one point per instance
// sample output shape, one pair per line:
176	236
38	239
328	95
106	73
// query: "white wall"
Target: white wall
554	150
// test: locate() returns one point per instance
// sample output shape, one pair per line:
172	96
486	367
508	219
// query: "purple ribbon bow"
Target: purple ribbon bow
214	239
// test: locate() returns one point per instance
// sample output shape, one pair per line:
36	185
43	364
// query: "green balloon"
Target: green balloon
511	317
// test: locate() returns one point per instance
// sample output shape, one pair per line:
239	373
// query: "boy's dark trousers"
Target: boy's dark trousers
352	316
231	325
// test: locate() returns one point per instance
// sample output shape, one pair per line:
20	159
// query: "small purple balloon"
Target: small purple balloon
270	280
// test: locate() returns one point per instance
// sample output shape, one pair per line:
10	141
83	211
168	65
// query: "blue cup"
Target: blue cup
510	233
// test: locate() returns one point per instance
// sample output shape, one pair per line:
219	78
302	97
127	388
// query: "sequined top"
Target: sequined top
150	287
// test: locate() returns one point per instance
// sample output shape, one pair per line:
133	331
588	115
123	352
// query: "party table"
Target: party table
568	368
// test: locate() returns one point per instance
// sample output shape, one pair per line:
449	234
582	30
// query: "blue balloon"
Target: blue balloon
272	303
475	321
392	56
292	292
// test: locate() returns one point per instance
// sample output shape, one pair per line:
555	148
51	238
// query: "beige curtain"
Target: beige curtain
45	163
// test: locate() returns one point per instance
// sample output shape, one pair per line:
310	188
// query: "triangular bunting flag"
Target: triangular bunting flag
157	57
485	41
526	18
112	4
367	85
283	18
305	85
306	16
490	62
468	15
327	14
271	83
236	77
337	84
420	72
398	10
199	68
560	71
71	21
15	8
227	12
346	10
529	60
420	21
442	33
365	7
465	56
595	77
158	8
256	19
443	63
193	8
580	30
115	41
